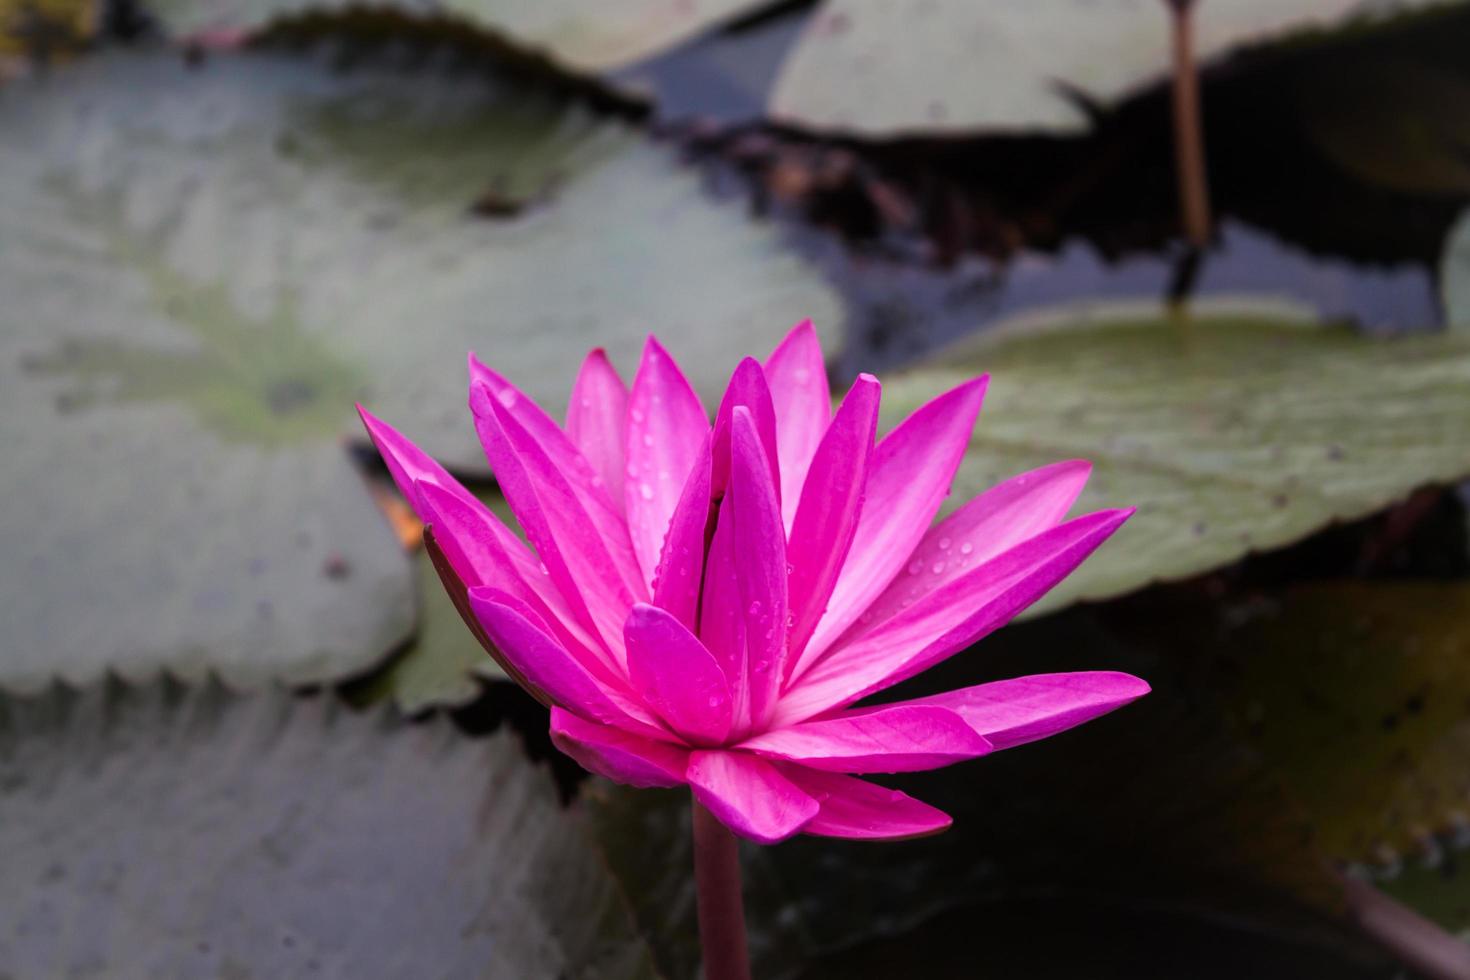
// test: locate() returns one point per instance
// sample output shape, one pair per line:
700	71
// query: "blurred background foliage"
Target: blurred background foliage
242	730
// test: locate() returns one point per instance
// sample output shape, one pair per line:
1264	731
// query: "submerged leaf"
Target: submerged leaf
154	832
1358	694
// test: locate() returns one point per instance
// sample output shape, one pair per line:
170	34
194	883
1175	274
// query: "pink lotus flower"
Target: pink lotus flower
705	603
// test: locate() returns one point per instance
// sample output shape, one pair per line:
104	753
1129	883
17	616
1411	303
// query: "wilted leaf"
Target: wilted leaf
151	832
885	69
580	35
1230	435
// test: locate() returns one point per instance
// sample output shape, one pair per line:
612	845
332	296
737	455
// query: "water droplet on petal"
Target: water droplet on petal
714	701
638	415
938	568
944	544
647	439
915	567
966	548
646	491
754	610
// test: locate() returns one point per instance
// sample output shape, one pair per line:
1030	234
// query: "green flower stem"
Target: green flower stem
721	910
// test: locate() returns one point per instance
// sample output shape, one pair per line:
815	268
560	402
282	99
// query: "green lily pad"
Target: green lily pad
1231	435
340	203
579	35
888	69
161	832
204	267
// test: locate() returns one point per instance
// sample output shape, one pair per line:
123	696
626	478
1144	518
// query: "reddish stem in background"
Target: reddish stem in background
1421	944
721	909
1189	143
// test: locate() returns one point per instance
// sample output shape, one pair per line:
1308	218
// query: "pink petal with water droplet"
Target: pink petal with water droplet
554	441
619	755
749	795
1024	709
947	620
597	421
859	810
681	564
907	738
555	522
831	503
908	479
666	427
676	676
484	552
722	619
798	380
524	639
747	388
408	463
760	563
997	520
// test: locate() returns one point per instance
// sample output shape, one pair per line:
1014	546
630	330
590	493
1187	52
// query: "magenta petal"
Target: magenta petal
760	563
748	388
408	463
722	618
676	586
524	639
749	795
831	501
666	427
859	810
1024	709
996	521
798	381
553	440
617	754
556	523
676	675
484	552
906	738
948	619
597	420
908	479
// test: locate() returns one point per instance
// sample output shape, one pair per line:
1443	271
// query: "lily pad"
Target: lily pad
340	203
159	832
1231	435
579	35
202	270
886	69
